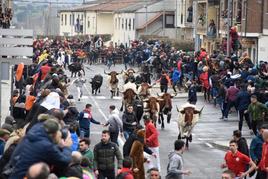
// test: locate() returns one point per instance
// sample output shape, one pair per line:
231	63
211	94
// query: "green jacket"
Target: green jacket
90	156
256	111
104	156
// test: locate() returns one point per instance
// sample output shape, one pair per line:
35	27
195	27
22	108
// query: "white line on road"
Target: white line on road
120	140
209	145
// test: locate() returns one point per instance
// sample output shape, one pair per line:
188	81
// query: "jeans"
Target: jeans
222	105
114	137
84	133
242	115
109	174
127	133
163	88
230	104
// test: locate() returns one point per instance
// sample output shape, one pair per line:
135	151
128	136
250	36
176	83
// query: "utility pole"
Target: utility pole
229	16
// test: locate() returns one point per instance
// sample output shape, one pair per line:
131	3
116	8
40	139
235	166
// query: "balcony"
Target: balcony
201	25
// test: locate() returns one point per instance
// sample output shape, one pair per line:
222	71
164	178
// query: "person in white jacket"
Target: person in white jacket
115	124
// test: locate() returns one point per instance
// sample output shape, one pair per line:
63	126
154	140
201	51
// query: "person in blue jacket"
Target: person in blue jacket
85	118
175	79
43	143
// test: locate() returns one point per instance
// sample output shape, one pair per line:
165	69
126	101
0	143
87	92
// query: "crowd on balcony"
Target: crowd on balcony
5	16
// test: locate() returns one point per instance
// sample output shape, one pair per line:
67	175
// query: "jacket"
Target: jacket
75	140
243	100
104	155
85	119
74	170
114	121
128	171
151	135
256	148
243	146
128	119
192	97
89	154
232	92
256	110
264	160
175	166
175	76
36	147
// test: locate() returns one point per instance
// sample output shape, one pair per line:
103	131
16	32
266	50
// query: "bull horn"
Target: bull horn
145	100
106	73
201	110
177	108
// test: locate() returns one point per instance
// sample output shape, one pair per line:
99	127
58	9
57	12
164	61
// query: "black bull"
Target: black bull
96	84
75	68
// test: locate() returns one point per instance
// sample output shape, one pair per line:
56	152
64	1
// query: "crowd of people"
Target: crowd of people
46	136
5	16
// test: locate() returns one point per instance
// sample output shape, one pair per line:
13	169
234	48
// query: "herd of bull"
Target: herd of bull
137	93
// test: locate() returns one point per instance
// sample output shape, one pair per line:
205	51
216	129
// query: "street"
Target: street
202	158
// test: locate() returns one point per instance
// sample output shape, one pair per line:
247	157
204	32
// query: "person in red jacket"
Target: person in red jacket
204	78
126	171
152	142
263	165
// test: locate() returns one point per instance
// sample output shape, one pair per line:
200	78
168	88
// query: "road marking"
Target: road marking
84	97
100	97
120	140
117	97
209	145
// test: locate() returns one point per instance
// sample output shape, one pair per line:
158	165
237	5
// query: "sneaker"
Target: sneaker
221	118
225	119
78	99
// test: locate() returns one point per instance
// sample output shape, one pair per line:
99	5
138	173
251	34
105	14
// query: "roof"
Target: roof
137	6
111	6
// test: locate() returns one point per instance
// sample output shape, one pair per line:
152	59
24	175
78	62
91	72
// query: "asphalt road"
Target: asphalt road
202	158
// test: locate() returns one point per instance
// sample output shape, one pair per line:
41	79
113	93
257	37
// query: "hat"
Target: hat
4	132
146	117
55	75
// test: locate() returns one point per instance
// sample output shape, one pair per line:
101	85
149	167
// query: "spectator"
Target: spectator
29	102
115	124
73	130
152	142
154	173
42	143
4	135
126	171
129	121
9	124
175	164
104	157
85	118
71	112
38	171
257	111
86	152
74	169
192	97
237	162
242	145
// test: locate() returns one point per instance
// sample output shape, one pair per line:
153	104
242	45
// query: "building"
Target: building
124	20
263	39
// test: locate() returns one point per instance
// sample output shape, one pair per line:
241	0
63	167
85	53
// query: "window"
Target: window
133	26
73	20
122	23
169	21
65	19
61	19
126	24
129	24
70	19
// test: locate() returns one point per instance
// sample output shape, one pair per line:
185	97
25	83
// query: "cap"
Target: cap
146	117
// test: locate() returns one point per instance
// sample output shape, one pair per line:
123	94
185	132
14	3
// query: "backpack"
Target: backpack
163	80
122	175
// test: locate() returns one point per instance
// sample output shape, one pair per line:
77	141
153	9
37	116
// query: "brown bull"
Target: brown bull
128	98
165	108
144	90
152	107
188	117
113	82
